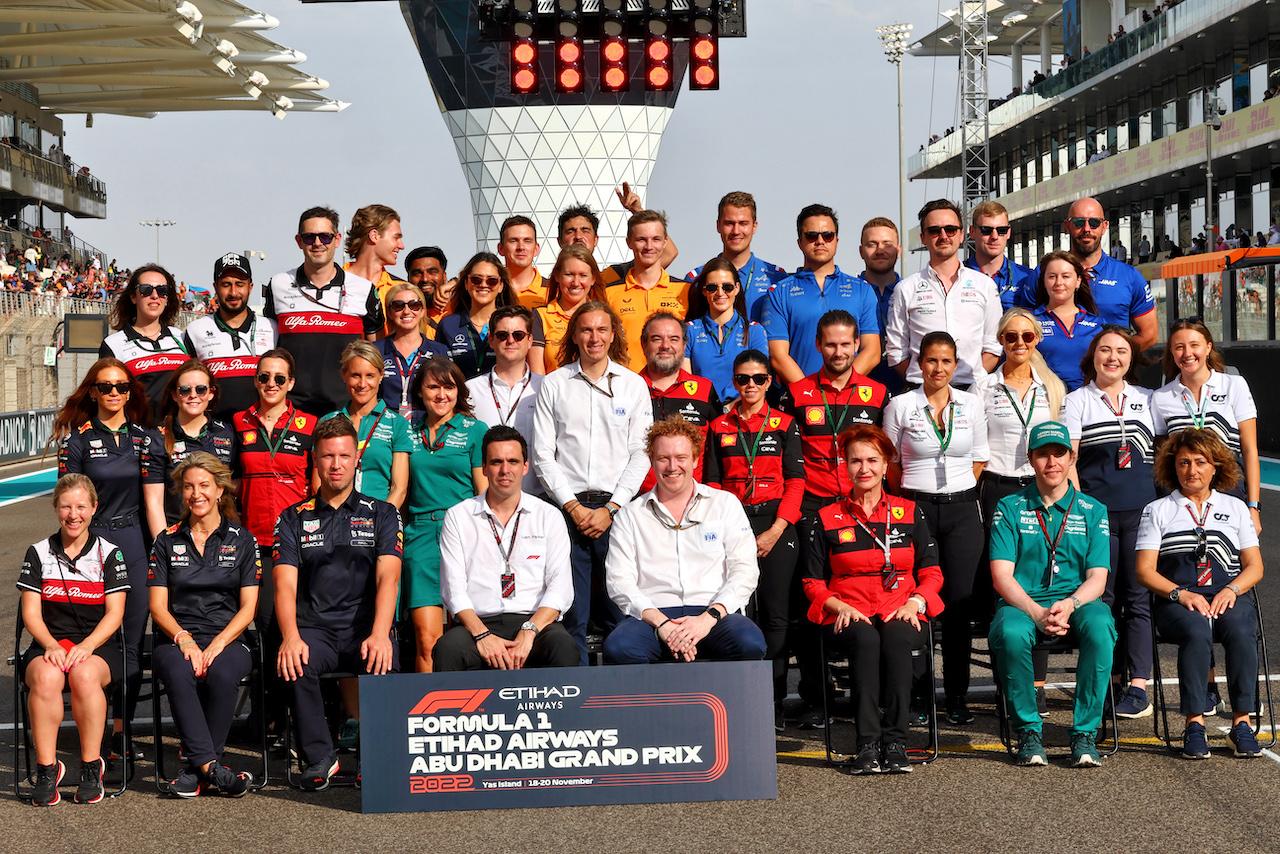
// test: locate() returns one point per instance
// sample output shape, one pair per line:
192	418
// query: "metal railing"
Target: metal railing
24	304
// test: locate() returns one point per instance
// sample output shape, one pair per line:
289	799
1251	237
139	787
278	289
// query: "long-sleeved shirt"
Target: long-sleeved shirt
970	311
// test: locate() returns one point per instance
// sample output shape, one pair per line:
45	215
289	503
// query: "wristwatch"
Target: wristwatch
715	615
921	605
1175	594
1075	604
1254	505
613	509
529	626
1234	588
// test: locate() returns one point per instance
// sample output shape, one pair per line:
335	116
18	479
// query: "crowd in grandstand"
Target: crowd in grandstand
509	469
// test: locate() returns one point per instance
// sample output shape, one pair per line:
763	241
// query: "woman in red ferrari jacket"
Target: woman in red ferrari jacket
873	578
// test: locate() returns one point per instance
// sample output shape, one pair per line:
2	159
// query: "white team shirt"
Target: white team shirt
1169	528
1006	434
1225	401
925	468
970	311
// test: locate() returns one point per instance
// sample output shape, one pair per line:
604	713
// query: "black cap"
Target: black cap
231	261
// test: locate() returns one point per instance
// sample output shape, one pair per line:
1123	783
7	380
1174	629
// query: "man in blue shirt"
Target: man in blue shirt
796	303
879	250
1122	294
989	227
736	222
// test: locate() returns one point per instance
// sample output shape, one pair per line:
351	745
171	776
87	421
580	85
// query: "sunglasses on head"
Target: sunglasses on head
516	335
827	236
1001	230
105	388
935	230
310	237
1079	221
269	379
185	390
1014	337
401	305
158	290
743	379
714	288
476	280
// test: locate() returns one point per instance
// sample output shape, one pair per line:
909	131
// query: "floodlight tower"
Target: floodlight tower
550	104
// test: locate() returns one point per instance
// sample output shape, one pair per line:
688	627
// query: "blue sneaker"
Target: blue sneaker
1030	749
1242	741
1133	703
1084	752
1194	745
1213	704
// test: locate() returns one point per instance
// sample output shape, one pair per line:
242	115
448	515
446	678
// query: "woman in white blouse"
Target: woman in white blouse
941	436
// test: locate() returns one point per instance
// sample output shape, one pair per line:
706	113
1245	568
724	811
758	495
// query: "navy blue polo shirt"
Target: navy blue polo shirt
1090	419
336	551
216	437
1010	280
397	371
467	346
118	469
204	588
1063	349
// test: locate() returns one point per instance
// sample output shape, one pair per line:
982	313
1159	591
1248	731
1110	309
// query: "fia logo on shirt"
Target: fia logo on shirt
710	537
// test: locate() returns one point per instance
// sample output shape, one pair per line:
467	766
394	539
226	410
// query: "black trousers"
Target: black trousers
202	708
957	529
803	632
456	650
773	597
880	663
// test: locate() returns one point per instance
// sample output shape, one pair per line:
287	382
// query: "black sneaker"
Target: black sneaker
316	777
90	791
918	714
188	784
894	759
120	750
779	721
867	761
47	779
233	784
812	718
349	737
1042	701
958	712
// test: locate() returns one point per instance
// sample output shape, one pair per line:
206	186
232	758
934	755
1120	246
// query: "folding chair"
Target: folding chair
1160	720
23	770
1055	645
924	650
250	684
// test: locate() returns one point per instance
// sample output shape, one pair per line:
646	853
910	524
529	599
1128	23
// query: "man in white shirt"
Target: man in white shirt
505	619
506	395
589	428
682	564
946	296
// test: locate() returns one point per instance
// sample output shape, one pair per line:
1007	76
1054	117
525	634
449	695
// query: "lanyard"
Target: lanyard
1204	514
156	345
342	292
751	455
528	376
608	378
1053	543
266	434
1106	398
237	334
944	436
883	544
1197	415
405	367
474	344
1017	409
363	443
433	447
726	330
844	411
497	538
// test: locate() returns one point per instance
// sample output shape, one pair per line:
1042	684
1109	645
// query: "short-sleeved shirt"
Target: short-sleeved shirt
1169	525
1120	291
150	361
440	471
634	303
118	469
1225	401
713	358
336	551
1010	279
215	437
468	347
274	467
756	278
73	593
796	304
1010	419
204	588
1090	418
822	412
550	323
1016	536
382	435
535	295
316	325
934	463
232	356
397	372
1063	349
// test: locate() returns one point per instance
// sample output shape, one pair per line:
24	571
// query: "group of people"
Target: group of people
740	464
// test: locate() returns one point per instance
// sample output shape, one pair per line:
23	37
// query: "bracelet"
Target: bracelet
181	633
481	636
186	642
660	625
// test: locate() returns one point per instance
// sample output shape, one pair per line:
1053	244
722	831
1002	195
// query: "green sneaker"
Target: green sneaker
1030	749
1084	753
349	737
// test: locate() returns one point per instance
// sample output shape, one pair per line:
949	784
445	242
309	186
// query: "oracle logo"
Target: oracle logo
294	321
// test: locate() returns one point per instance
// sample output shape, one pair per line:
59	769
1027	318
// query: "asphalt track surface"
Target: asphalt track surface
970	800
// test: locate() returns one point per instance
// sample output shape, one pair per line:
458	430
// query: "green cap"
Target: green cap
1049	433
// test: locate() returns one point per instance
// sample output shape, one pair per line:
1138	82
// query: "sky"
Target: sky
806	112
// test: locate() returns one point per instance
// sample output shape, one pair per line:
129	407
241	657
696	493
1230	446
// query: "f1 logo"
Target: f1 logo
464	700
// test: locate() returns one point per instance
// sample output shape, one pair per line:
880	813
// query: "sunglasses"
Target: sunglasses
1079	221
476	281
827	236
401	305
743	379
713	288
1202	544
106	388
1014	337
935	230
185	390
516	335
1001	230
148	290
310	237
266	379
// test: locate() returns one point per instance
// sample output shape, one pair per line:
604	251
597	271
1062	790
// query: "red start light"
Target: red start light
570	79
659	77
570	52
704	49
525	80
704	76
523	53
614	51
614	78
659	51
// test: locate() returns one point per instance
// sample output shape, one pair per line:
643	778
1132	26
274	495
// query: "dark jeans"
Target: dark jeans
1236	630
880	663
1130	602
587	557
734	638
773	598
456	650
202	708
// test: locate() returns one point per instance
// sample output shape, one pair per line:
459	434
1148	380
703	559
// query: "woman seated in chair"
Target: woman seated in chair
204	592
1198	553
73	589
872	577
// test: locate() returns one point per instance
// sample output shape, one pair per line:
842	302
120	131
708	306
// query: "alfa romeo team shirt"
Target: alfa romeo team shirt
73	593
232	356
150	361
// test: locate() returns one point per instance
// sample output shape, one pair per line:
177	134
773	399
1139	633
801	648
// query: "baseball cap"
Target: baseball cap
1048	433
231	261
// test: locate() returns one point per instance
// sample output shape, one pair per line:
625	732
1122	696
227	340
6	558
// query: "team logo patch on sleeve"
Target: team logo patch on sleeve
727	440
691	386
864	393
815	415
897	513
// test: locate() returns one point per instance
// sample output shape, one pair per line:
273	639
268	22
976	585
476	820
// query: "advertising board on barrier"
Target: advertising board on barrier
568	736
25	434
